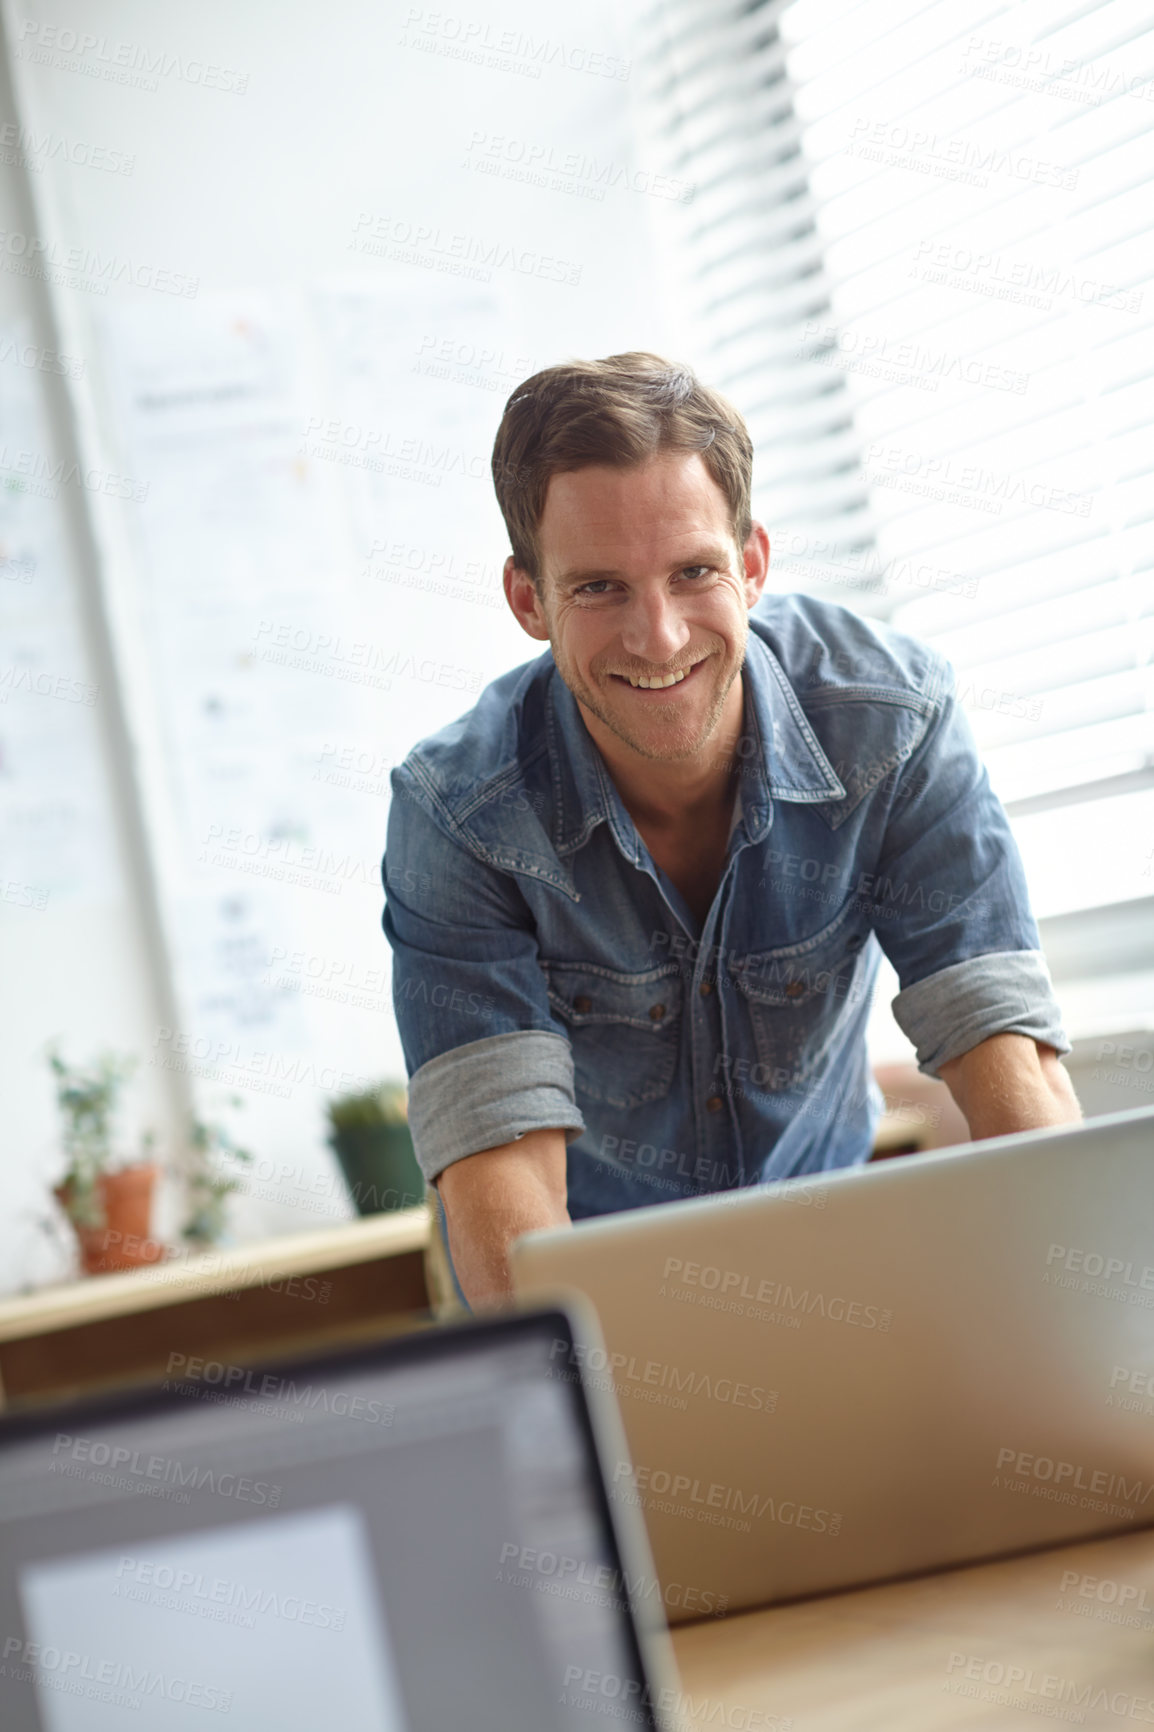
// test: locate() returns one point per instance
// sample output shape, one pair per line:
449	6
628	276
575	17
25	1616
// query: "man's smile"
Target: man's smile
651	683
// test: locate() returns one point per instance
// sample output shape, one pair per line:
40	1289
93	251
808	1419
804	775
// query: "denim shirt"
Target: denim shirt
547	972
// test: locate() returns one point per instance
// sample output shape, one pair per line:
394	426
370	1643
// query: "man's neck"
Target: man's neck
668	795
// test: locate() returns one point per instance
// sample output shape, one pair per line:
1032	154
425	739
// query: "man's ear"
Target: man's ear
525	603
756	562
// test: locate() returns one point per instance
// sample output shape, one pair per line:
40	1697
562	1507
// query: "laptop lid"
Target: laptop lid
400	1539
881	1370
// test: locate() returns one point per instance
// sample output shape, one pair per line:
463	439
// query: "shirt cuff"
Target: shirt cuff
1006	992
490	1092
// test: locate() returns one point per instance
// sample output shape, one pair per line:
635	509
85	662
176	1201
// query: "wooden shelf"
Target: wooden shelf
196	1277
311	1290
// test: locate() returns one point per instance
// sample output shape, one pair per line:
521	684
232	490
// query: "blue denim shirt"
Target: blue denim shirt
548	973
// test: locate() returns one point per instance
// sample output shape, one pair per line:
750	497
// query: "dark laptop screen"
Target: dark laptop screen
408	1539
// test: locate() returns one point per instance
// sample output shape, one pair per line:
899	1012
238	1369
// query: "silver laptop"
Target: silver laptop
412	1537
886	1369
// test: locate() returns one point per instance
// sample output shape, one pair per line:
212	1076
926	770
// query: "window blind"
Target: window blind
921	258
748	255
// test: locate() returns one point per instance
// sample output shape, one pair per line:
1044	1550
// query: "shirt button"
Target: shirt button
582	1004
656	1012
705	988
714	1103
795	989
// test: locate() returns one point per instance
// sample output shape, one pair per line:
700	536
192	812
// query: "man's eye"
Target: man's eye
598	586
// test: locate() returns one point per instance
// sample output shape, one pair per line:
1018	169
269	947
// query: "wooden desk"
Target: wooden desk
303	1293
898	1658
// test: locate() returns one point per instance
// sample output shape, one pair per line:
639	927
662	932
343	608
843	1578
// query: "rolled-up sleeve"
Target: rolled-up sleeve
1005	992
487	1062
951	906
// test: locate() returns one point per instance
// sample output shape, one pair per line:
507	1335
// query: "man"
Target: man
638	895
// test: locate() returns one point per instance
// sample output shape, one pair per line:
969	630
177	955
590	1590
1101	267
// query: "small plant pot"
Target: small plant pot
123	1242
379	1167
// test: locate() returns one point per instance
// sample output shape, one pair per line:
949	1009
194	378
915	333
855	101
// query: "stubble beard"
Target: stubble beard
677	744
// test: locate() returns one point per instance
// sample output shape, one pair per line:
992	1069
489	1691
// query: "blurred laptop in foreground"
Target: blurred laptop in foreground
403	1539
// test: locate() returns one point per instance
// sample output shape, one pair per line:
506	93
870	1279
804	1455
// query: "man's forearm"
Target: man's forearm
1011	1083
492	1197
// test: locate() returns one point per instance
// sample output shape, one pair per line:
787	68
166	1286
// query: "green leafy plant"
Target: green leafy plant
386	1105
209	1181
88	1098
369	1135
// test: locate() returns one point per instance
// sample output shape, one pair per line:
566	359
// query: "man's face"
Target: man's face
642	581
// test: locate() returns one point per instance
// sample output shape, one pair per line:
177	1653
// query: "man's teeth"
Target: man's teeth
652	685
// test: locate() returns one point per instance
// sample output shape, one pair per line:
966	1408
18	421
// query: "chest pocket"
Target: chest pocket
796	997
623	1029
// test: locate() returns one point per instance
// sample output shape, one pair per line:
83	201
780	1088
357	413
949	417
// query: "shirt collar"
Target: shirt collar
781	758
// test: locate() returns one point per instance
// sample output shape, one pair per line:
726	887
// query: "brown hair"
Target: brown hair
618	411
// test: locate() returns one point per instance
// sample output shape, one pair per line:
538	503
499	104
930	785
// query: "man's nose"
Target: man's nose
653	629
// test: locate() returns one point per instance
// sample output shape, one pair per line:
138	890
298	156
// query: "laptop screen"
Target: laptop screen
405	1539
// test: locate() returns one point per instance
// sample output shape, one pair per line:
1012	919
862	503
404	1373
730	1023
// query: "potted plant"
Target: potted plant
369	1133
107	1200
208	1180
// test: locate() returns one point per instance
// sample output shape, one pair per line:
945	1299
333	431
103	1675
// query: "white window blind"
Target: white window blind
749	256
922	258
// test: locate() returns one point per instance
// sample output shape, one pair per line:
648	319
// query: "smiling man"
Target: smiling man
638	895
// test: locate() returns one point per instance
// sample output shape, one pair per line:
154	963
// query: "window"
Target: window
919	261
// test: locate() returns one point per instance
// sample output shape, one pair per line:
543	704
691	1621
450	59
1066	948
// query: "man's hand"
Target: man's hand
1011	1083
491	1197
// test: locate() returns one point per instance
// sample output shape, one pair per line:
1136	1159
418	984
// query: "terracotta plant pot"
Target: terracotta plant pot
123	1242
